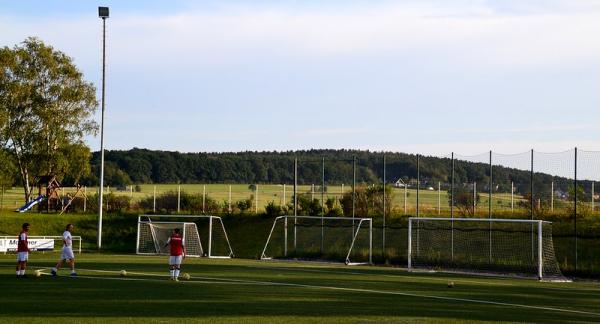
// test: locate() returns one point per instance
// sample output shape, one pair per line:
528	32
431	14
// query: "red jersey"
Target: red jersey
22	242
176	244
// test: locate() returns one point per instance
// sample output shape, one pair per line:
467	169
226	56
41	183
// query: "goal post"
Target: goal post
337	239
204	235
509	247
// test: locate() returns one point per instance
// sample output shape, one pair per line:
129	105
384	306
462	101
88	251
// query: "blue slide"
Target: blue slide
30	204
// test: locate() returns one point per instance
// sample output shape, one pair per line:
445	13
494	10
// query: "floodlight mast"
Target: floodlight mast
102	13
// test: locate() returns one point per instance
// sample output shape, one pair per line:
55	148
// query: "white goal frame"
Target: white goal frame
359	225
211	221
535	223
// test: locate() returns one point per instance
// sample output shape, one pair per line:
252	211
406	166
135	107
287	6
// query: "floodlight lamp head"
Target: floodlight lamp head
103	12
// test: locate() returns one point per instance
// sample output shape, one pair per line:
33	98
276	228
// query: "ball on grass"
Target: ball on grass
38	273
123	273
451	284
186	276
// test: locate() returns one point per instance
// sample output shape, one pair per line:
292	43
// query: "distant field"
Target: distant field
223	291
428	200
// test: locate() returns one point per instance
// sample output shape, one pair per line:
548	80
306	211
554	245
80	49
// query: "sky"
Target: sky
429	77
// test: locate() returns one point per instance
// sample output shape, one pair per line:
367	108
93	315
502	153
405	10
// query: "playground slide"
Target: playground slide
30	204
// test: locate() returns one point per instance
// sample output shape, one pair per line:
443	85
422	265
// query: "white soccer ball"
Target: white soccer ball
185	276
123	273
451	284
38	273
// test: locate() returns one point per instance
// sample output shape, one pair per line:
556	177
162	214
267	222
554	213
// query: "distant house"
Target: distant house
399	183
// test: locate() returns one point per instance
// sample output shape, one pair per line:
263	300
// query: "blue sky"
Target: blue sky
413	76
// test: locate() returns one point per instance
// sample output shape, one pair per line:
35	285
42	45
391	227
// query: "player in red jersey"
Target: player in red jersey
177	247
22	251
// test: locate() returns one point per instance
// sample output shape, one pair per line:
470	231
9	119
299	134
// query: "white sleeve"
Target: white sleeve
23	237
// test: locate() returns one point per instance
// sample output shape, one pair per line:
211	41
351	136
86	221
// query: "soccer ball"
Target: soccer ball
123	273
451	284
185	276
38	273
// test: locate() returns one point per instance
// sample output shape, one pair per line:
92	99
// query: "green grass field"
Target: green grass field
277	292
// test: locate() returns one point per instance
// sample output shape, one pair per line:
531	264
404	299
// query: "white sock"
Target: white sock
22	272
54	269
172	273
73	270
18	272
176	273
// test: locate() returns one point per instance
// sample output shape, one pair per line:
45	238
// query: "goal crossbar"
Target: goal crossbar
357	225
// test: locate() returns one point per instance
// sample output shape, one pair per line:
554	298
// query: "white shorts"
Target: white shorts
175	259
22	256
67	253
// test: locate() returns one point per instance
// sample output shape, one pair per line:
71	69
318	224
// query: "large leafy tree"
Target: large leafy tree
46	109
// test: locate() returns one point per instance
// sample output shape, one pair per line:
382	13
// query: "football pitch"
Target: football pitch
222	290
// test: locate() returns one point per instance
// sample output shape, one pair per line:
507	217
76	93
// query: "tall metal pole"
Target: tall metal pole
531	189
383	229
100	202
353	191
418	181
575	209
295	198
452	190
490	184
490	191
322	202
452	211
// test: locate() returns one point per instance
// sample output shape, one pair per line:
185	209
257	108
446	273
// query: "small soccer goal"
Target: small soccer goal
507	247
204	236
337	239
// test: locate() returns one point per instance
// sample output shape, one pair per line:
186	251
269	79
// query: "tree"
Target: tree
46	109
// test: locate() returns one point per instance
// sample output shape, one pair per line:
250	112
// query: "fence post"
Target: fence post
439	198
84	198
203	199
283	195
154	200
512	197
474	197
405	198
229	200
178	198
552	196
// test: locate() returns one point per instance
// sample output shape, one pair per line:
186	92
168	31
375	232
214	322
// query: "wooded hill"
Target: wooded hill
137	166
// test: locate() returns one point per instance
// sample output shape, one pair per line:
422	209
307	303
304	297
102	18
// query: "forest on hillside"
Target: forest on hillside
137	166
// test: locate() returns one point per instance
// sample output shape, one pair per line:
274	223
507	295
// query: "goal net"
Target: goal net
320	238
204	236
511	247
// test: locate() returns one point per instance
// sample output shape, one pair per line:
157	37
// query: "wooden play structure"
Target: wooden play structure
50	188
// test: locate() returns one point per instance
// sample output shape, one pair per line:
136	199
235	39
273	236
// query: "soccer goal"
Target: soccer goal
320	238
508	247
204	236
